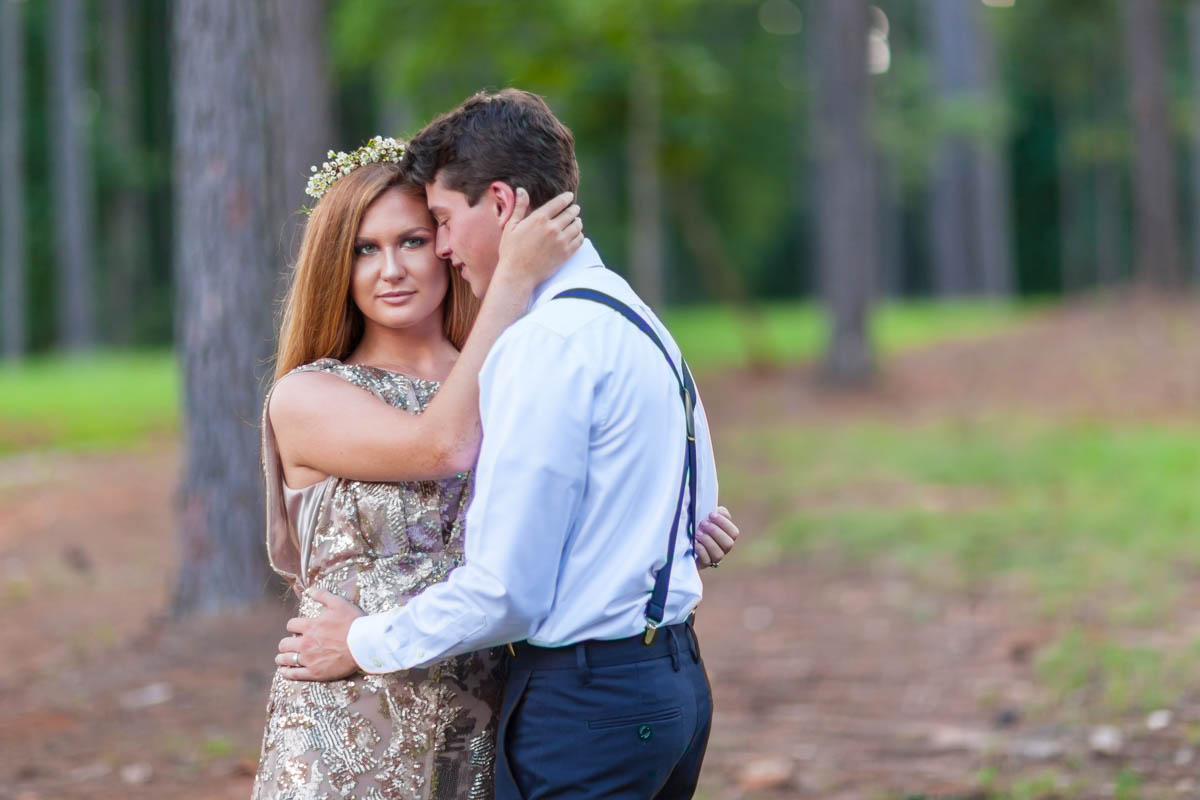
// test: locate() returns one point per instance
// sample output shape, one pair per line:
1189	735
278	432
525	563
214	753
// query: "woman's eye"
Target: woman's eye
415	242
365	250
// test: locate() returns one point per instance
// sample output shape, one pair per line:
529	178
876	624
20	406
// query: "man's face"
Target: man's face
467	236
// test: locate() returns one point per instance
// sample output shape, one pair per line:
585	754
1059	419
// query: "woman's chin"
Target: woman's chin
398	319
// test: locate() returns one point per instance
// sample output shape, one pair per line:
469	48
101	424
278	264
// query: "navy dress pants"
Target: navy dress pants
605	719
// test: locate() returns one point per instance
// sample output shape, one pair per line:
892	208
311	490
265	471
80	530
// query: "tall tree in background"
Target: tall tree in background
1156	223
72	178
12	183
846	237
224	281
1073	193
646	250
970	195
950	209
126	228
1193	48
302	127
991	192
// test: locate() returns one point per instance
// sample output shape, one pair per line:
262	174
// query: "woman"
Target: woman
367	499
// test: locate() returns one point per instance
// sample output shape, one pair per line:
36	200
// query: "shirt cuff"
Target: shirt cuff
367	640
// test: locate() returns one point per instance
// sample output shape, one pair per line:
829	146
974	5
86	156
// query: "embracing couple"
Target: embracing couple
497	585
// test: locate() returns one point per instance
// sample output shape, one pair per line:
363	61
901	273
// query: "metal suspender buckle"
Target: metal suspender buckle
650	634
689	407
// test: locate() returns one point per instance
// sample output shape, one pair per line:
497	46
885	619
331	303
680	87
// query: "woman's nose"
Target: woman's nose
393	269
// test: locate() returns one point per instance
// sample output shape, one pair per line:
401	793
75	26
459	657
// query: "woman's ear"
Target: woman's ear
504	199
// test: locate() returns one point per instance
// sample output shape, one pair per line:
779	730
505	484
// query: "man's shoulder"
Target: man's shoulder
568	316
572	326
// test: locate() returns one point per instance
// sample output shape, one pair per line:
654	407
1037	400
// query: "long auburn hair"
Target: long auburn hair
320	319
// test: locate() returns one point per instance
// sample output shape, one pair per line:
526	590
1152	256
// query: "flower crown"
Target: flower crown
375	151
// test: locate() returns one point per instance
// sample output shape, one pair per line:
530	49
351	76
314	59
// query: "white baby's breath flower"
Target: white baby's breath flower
378	149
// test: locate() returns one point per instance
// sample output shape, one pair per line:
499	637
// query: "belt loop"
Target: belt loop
693	642
581	661
673	643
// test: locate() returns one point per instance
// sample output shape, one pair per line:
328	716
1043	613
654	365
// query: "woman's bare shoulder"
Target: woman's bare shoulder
301	395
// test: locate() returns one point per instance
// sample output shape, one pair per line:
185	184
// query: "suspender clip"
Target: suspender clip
689	408
651	633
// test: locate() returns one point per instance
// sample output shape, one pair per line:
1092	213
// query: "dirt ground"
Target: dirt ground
830	680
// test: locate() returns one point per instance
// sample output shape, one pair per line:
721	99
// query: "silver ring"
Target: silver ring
295	659
714	564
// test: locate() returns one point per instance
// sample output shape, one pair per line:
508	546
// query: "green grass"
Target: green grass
1070	507
717	336
1095	523
100	401
1091	670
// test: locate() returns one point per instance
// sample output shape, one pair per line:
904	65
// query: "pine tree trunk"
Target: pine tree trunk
846	227
12	181
127	231
990	179
303	128
992	197
970	218
1155	205
1072	209
645	183
1193	39
954	271
1109	241
72	178
889	268
225	270
949	221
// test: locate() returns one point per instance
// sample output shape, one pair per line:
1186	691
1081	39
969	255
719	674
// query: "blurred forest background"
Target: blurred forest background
1007	147
934	262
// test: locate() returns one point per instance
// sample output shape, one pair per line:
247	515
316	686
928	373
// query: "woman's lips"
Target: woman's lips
396	298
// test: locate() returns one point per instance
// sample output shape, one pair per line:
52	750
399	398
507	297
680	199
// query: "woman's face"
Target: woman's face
398	280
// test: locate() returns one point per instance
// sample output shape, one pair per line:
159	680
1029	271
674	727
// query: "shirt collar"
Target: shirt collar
586	257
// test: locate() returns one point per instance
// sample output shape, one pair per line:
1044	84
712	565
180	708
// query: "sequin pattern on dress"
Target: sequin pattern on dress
420	733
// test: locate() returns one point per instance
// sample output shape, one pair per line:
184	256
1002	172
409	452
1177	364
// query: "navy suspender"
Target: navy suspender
656	609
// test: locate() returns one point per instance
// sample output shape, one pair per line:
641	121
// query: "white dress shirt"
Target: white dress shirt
575	489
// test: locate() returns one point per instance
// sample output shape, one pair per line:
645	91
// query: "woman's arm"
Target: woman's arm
331	427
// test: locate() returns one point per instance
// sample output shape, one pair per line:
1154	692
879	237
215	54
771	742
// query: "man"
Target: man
579	535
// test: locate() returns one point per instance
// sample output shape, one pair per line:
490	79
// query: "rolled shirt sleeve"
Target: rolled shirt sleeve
536	403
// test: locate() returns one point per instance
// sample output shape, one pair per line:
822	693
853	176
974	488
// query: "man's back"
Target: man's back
583	460
584	443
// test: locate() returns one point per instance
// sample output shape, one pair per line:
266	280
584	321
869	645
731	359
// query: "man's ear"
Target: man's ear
503	198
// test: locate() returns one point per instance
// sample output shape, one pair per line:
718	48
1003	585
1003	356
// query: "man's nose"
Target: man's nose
441	244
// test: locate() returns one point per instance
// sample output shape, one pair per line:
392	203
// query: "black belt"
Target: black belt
605	652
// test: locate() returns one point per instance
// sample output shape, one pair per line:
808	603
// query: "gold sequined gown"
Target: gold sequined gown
420	733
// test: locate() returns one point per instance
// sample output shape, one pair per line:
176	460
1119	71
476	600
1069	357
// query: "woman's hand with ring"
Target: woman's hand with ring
715	538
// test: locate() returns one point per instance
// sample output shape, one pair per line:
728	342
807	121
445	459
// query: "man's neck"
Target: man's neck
586	256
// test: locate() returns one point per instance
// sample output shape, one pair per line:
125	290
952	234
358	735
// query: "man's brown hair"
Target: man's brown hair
510	136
